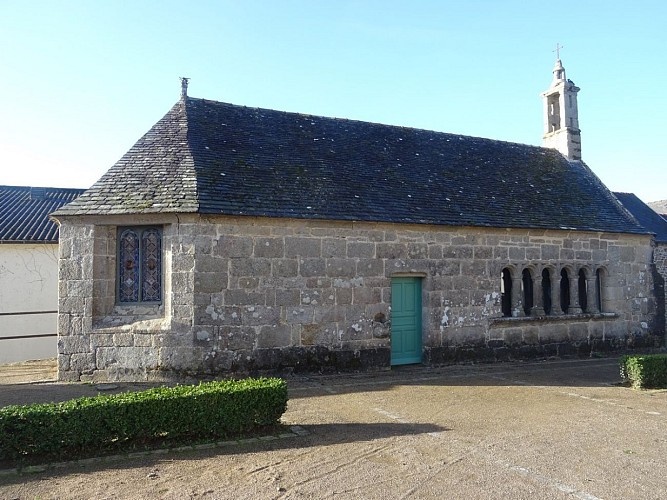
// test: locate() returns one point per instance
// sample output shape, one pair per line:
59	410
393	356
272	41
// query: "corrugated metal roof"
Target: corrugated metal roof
24	212
216	158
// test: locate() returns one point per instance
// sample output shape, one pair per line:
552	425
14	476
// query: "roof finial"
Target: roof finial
557	51
184	86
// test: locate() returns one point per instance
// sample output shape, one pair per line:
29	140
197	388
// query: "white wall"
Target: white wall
28	283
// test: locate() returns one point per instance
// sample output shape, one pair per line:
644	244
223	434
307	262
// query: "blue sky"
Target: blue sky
83	80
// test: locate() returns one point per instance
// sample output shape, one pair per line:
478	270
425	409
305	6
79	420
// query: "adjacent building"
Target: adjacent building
29	271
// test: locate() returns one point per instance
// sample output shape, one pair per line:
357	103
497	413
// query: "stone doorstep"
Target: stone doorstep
295	431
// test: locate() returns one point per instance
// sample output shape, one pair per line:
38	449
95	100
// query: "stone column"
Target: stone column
538	298
555	295
517	297
575	308
591	295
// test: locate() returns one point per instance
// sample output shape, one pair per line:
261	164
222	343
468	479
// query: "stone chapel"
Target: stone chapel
236	239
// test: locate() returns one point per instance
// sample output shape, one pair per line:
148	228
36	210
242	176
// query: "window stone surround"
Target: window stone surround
246	293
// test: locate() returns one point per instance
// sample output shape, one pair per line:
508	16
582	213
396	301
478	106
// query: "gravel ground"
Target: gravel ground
553	429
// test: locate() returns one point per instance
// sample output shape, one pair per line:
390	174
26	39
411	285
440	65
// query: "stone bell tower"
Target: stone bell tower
561	115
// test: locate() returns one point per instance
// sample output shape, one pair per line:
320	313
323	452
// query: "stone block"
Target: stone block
533	253
233	246
343	296
207	283
248	282
482	252
531	335
260	315
274	336
184	262
284	268
269	247
550	252
240	297
303	247
312	267
82	363
553	333
340	268
334	247
63	363
250	267
627	254
236	338
128	358
288	297
473	268
457	252
464	335
365	295
73	344
578	331
566	254
517	253
615	329
360	249
299	314
142	340
123	339
500	253
417	250
210	264
203	244
328	314
391	250
434	251
444	267
370	267
179	359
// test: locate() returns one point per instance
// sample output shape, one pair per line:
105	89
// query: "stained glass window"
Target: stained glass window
140	264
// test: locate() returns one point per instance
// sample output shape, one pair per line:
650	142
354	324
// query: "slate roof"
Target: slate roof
647	217
216	158
24	213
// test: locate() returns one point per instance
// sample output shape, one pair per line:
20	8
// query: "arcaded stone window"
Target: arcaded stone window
527	281
551	292
506	292
564	291
139	265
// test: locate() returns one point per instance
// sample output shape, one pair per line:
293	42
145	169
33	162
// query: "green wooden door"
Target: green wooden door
406	324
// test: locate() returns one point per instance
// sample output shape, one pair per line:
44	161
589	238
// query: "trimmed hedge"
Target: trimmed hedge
648	371
120	421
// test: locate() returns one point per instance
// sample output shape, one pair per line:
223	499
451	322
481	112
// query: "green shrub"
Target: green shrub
120	421
645	371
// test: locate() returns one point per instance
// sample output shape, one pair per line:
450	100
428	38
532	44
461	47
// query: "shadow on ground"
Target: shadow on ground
318	435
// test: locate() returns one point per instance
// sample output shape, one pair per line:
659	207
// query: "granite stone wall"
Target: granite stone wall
245	294
660	279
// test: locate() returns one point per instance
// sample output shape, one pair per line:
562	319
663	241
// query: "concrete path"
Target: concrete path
556	429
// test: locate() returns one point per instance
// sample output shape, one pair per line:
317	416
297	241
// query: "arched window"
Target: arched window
527	281
583	290
506	292
546	291
139	264
564	291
